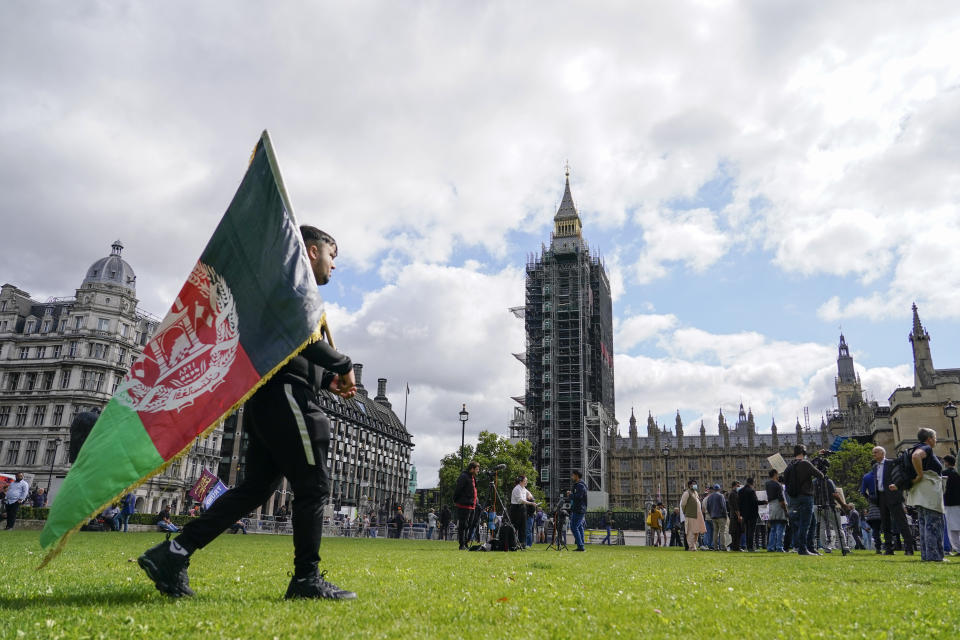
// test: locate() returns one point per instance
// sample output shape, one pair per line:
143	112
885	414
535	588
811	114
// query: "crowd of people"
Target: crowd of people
806	513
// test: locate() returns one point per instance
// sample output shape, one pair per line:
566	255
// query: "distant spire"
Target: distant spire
918	331
567	209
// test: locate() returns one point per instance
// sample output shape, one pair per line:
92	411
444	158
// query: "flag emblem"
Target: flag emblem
192	350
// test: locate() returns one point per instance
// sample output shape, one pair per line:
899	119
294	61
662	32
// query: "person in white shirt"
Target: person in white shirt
431	524
519	499
17	493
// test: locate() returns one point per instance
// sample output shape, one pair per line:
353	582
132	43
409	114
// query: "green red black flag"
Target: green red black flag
249	305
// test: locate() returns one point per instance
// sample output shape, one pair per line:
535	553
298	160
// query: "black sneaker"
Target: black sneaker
315	586
167	569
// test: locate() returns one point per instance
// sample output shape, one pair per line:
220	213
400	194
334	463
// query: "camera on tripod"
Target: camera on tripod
492	471
822	461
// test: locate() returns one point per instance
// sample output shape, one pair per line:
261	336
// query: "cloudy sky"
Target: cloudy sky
755	175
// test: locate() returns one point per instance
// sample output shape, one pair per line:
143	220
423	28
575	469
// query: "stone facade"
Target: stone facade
922	404
65	355
656	467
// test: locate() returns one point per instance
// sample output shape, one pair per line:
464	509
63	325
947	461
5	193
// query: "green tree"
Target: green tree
847	468
490	451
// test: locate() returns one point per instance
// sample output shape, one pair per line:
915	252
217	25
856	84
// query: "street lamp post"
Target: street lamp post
951	412
666	470
53	458
464	416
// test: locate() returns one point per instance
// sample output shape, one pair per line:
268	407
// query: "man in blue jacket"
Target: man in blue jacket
578	509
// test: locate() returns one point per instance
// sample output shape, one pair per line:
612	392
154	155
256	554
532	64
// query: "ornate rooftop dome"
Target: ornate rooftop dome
112	270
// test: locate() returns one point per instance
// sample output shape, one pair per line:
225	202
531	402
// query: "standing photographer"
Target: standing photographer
465	500
798	478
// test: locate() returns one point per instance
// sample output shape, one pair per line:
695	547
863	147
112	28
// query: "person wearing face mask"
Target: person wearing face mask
693	514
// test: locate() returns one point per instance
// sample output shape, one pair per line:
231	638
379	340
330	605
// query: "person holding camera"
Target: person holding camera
520	498
798	477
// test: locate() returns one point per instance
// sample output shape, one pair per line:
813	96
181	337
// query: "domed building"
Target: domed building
61	356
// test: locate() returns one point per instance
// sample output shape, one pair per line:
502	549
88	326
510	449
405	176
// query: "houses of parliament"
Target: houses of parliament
654	467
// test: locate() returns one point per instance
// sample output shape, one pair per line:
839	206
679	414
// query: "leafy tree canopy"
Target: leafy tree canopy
490	451
847	468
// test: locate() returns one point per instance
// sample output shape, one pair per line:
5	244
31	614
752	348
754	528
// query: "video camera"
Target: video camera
493	470
822	462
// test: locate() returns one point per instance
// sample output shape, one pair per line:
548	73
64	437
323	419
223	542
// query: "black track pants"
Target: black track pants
289	437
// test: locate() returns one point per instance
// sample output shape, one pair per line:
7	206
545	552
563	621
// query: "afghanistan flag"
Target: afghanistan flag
249	305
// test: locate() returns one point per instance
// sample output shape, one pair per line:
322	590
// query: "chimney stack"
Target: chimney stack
382	393
358	374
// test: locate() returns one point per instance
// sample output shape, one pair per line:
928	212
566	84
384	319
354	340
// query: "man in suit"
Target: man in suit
890	501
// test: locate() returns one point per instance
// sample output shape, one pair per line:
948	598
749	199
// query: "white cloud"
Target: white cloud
640	328
688	237
708	372
448	333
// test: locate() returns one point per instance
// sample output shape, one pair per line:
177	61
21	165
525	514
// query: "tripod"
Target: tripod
559	525
495	491
826	504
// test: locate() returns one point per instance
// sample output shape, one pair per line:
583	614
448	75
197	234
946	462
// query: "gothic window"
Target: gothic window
693	464
625	465
625	485
716	464
648	465
741	464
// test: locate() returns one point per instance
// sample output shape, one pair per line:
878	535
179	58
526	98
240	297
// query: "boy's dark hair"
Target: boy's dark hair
799	449
772	472
950	460
314	236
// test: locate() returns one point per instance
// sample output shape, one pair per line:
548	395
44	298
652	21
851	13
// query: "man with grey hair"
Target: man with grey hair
890	502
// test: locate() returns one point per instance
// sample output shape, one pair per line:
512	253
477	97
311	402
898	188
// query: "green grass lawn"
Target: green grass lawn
431	590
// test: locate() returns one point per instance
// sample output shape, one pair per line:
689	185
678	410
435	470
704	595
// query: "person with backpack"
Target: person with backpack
890	502
926	495
798	478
